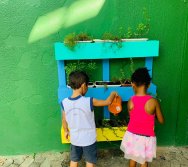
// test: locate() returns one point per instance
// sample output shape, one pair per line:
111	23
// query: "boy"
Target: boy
78	116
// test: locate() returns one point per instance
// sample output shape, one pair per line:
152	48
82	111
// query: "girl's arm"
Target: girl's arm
106	102
130	105
158	112
65	126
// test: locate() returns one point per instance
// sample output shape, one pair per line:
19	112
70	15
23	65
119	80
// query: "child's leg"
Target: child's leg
144	165
90	155
75	155
73	164
88	164
132	163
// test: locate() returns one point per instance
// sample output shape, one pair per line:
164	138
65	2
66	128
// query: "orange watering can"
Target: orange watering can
116	106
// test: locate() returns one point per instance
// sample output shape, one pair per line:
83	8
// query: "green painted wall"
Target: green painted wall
29	114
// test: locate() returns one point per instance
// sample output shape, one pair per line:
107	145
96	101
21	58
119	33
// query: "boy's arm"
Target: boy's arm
159	114
106	102
65	126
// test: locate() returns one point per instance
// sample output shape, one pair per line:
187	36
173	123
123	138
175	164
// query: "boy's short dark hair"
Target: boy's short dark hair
141	77
77	78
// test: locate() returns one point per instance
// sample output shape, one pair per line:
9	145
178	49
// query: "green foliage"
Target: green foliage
122	76
115	38
108	36
139	31
131	65
70	40
88	67
128	34
84	37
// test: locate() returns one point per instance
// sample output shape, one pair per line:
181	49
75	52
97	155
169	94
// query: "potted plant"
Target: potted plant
88	67
127	82
115	39
84	37
141	30
122	79
107	84
72	39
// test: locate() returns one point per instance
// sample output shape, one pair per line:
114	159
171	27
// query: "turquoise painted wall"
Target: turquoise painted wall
29	113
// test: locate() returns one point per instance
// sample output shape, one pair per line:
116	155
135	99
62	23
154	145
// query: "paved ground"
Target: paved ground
166	157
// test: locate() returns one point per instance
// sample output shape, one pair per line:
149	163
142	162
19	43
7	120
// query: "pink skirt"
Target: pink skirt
138	148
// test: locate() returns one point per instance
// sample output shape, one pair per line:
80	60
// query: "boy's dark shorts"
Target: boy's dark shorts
89	153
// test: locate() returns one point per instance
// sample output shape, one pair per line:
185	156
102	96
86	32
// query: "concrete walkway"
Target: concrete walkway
166	157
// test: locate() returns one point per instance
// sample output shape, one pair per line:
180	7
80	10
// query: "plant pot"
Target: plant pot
91	84
98	40
89	41
126	83
134	39
107	84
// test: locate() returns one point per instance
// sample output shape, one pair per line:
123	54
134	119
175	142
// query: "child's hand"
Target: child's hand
67	135
114	93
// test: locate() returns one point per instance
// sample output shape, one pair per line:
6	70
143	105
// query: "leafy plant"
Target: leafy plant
108	36
81	66
83	37
122	77
70	40
115	38
129	33
131	65
143	28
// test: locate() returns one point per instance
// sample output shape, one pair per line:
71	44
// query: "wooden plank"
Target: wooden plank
103	93
103	134
106	77
107	50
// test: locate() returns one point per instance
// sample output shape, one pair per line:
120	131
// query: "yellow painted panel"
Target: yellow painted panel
104	134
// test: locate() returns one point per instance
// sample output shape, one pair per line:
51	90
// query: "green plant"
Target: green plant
83	37
108	36
122	76
142	28
81	66
129	33
70	40
131	65
115	38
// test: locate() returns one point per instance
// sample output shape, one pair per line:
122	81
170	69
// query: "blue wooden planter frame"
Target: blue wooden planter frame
105	51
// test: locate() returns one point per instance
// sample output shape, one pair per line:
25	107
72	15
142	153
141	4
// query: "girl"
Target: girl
139	141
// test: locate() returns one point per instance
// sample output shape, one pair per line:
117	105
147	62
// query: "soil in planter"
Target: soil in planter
126	83
90	84
107	83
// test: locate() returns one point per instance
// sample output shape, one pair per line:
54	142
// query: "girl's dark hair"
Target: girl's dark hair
77	78
141	77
